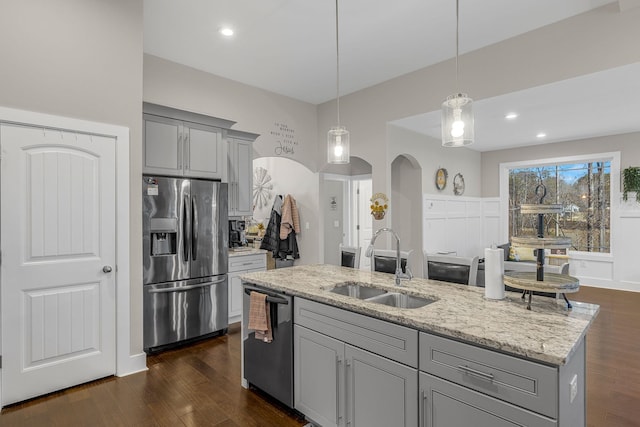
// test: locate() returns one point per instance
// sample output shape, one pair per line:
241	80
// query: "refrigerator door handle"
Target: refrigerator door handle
194	229
186	228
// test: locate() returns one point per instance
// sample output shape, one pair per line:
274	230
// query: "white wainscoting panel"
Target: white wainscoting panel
464	225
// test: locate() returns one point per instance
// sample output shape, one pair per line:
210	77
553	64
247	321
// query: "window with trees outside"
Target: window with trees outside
583	190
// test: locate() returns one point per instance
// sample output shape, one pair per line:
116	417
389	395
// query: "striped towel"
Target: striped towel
259	319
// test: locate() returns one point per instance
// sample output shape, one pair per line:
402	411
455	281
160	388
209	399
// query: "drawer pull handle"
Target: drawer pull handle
475	373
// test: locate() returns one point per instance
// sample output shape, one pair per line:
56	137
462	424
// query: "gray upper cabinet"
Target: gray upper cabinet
240	172
180	143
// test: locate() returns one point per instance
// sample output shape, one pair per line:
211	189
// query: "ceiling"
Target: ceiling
288	47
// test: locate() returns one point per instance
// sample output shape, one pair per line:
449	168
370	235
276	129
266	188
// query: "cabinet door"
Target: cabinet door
445	404
318	388
240	175
204	151
162	145
235	296
244	178
380	392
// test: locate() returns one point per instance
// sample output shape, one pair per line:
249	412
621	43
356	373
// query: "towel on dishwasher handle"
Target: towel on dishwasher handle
259	318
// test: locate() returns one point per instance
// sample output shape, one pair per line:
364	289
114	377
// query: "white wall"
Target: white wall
82	59
290	177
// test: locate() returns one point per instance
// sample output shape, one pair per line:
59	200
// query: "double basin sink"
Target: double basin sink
380	296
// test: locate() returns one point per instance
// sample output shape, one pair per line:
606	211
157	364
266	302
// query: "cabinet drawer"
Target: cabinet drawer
521	382
448	404
386	339
247	262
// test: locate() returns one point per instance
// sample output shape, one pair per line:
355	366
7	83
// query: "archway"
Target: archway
406	200
288	176
344	202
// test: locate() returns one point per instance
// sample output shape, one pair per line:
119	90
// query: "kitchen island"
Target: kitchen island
469	357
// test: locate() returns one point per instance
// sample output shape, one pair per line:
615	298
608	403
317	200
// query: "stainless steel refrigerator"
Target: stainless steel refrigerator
185	243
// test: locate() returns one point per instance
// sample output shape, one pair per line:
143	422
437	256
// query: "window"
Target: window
583	190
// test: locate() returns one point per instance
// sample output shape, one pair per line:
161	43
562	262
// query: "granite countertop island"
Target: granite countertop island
549	333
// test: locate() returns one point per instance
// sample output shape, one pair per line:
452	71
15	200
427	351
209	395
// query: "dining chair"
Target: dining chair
384	260
449	268
350	256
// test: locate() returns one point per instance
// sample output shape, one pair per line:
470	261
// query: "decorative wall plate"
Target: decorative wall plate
441	178
379	205
458	184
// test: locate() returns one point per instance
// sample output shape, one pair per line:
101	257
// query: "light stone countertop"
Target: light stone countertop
548	333
246	250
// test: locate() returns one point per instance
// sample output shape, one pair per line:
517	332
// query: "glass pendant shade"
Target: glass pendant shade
338	145
457	121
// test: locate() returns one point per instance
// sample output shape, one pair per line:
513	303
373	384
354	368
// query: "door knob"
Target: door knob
106	269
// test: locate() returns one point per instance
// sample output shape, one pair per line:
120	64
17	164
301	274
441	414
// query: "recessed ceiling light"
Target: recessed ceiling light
511	116
541	135
226	31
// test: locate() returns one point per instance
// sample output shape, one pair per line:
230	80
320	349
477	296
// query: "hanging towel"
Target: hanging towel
259	319
290	217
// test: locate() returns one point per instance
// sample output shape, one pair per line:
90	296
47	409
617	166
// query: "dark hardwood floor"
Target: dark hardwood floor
199	385
613	358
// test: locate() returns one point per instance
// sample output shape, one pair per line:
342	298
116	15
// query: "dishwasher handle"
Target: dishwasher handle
272	298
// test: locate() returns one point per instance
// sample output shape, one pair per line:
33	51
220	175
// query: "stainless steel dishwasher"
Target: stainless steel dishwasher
269	366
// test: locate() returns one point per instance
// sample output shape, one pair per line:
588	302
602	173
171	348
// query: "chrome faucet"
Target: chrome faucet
399	274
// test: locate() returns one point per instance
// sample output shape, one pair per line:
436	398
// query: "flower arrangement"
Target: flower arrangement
379	205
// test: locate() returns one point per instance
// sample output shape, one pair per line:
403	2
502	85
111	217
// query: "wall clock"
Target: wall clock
441	178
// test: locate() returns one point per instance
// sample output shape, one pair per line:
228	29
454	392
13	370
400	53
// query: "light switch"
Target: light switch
306	225
336	223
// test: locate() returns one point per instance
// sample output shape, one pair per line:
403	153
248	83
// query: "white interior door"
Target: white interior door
58	246
363	219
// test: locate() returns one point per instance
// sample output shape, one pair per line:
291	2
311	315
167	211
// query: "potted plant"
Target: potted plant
631	182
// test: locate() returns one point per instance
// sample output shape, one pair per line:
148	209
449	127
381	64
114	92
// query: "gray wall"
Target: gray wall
597	40
628	145
81	59
406	208
254	110
333	235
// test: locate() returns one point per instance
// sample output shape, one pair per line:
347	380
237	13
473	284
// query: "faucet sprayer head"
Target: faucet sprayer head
369	252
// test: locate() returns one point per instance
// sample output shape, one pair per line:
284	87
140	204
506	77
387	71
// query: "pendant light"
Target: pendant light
457	111
338	136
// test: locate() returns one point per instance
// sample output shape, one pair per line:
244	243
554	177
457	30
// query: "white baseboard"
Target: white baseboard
136	363
609	284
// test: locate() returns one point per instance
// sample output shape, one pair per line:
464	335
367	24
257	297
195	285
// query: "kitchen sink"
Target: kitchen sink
398	300
357	290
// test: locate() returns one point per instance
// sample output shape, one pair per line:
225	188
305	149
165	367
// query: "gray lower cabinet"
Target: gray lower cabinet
337	384
318	371
495	389
355	370
445	404
239	265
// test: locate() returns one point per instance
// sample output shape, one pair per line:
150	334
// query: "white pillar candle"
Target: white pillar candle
494	273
